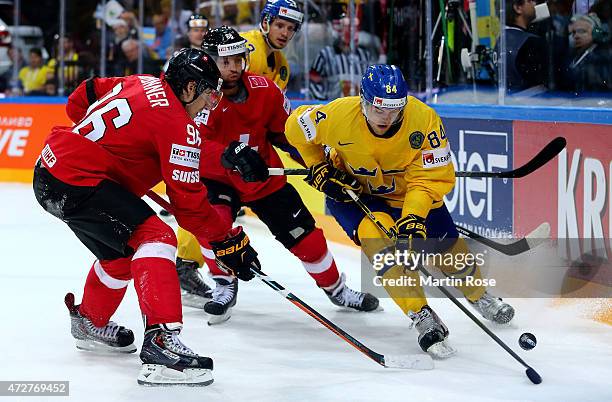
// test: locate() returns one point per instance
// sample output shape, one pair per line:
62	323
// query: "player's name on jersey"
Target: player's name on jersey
154	91
404	280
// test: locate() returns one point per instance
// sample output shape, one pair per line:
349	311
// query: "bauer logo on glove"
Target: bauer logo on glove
411	226
234	248
235	255
247	161
331	181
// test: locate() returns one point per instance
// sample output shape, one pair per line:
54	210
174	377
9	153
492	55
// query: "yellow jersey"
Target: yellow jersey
258	59
411	170
34	79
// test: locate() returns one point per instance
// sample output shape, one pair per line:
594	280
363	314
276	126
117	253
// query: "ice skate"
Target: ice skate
194	292
224	298
110	338
167	361
493	309
432	333
342	295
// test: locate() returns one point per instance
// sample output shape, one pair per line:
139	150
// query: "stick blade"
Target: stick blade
411	362
547	153
538	235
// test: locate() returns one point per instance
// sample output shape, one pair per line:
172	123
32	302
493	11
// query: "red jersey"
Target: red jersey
254	122
137	133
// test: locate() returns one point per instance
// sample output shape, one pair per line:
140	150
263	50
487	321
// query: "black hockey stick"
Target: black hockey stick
547	153
533	376
416	361
532	240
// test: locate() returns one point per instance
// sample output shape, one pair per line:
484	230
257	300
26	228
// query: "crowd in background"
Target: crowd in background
569	51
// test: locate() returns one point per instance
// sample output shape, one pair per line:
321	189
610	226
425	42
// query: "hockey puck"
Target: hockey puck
533	376
527	341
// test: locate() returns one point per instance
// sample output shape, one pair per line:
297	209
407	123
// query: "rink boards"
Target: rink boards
572	192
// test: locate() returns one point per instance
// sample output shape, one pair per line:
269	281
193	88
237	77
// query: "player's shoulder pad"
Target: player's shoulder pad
417	106
341	108
250	36
309	119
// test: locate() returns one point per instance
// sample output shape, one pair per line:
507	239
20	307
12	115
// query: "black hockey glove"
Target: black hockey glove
246	161
409	228
235	255
331	181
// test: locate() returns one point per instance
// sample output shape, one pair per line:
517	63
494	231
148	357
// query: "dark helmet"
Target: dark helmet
192	65
224	41
197	21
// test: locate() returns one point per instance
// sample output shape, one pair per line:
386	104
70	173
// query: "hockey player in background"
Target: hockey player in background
396	149
197	26
131	133
280	22
251	119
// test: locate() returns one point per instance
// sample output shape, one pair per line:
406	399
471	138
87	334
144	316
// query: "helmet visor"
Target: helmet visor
212	98
211	95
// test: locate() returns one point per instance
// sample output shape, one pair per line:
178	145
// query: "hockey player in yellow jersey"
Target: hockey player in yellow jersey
280	21
391	148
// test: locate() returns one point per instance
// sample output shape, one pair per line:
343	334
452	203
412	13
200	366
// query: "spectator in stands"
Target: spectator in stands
335	70
603	10
15	56
590	68
116	58
150	63
197	26
557	38
50	88
162	45
132	23
72	70
526	54
34	75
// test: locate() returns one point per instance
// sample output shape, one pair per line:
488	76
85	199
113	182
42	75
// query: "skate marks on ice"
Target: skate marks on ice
271	351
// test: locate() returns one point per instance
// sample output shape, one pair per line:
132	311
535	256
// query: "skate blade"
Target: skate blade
345	309
219	319
441	350
98	347
504	318
191	300
157	375
413	362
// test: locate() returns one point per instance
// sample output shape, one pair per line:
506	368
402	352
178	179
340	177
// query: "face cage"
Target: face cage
366	106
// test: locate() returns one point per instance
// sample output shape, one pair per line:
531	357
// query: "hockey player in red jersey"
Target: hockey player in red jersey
131	133
250	119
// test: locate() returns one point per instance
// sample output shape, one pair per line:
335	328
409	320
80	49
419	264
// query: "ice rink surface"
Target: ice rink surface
271	351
